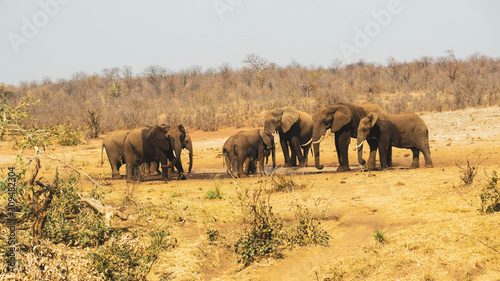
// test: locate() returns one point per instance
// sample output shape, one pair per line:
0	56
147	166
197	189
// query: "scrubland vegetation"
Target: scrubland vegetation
209	99
422	224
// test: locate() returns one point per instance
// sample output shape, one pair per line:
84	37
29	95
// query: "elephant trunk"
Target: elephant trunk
190	149
360	152
318	135
273	153
316	156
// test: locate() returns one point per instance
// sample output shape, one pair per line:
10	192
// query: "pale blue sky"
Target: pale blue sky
90	35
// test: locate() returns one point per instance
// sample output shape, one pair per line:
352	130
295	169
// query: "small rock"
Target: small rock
400	183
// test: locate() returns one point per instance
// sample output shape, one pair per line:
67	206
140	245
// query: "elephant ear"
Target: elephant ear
373	117
156	137
290	116
341	117
267	138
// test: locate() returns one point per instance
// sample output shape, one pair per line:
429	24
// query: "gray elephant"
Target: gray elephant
114	143
187	144
159	143
248	146
343	120
405	130
295	130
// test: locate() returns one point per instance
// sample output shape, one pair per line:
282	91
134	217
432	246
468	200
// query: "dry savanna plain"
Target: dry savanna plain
428	221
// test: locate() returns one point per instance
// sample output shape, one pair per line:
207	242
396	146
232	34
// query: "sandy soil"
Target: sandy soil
358	203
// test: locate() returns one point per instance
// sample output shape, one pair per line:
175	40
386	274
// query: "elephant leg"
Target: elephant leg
342	140
414	163
389	157
295	146
293	156
286	154
427	156
131	163
229	164
145	169
115	167
260	157
382	150
180	171
241	160
372	163
247	166
306	154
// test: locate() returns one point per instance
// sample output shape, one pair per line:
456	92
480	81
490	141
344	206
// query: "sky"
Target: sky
58	38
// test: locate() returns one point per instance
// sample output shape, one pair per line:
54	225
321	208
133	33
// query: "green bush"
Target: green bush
66	136
284	183
379	236
307	230
123	258
264	235
490	196
213	234
73	222
215	192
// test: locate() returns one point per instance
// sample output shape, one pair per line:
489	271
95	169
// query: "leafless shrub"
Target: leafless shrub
214	98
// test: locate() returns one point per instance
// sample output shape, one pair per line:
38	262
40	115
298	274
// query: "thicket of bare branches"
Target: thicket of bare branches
217	97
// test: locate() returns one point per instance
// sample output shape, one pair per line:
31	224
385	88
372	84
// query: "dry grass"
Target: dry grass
432	223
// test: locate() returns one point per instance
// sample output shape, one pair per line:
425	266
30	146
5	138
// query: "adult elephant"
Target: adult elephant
159	143
343	120
186	144
295	130
114	143
247	147
405	130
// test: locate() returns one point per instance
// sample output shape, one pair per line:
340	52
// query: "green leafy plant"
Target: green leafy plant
379	236
66	136
72	222
307	230
283	183
264	234
215	192
124	258
213	234
490	195
175	193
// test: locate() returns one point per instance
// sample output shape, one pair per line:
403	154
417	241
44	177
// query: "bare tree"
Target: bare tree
256	62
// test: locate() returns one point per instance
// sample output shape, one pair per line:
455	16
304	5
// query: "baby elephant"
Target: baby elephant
248	146
405	130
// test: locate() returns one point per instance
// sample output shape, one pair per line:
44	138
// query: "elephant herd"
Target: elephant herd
148	147
298	131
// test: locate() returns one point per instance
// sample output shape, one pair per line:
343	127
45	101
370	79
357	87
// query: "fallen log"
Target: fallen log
107	210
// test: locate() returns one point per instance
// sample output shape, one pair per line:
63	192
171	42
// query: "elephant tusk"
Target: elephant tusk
184	153
359	145
320	139
173	151
307	143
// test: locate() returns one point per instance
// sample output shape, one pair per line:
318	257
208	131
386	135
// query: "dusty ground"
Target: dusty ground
430	220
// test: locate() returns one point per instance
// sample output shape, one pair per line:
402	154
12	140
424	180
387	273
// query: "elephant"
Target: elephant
186	144
295	130
343	120
405	130
159	143
114	143
248	146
